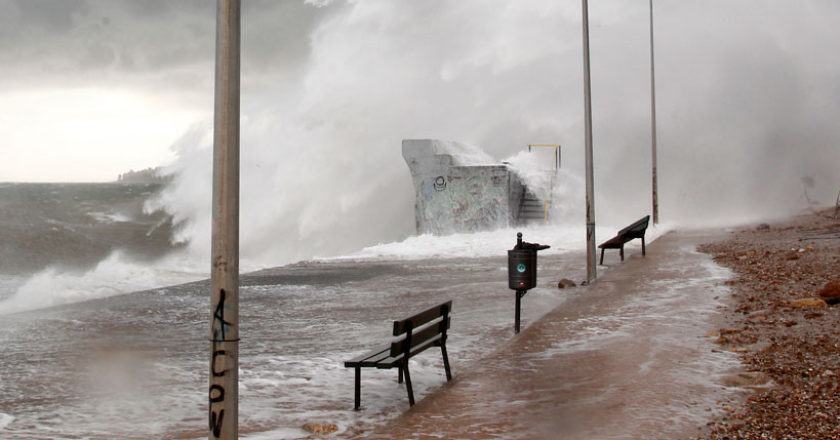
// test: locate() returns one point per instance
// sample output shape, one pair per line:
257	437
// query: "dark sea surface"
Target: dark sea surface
136	365
86	359
75	225
105	329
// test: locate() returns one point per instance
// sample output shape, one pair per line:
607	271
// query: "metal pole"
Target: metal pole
655	188
591	269
223	393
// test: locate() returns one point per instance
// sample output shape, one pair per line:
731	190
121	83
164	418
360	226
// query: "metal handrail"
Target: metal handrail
557	156
837	206
557	163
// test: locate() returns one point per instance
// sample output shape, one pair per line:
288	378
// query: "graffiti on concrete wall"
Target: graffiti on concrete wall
455	192
467	199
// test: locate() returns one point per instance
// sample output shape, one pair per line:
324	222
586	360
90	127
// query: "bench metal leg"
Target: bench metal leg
446	362
408	384
622	252
400	377
602	256
643	246
358	388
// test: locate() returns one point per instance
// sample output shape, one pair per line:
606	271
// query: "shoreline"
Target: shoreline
629	355
783	332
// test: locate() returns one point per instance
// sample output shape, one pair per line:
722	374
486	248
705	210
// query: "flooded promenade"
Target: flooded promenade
626	358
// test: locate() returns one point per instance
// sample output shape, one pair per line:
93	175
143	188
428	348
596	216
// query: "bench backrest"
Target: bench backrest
637	229
421	327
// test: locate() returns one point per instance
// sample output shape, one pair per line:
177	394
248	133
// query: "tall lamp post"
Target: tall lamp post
655	188
223	393
591	268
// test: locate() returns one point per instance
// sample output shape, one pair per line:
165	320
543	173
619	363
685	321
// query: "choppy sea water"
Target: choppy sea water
96	348
135	365
73	226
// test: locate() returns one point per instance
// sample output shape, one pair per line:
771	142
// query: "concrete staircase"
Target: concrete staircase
532	209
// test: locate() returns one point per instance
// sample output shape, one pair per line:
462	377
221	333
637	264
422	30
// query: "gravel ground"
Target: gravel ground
785	322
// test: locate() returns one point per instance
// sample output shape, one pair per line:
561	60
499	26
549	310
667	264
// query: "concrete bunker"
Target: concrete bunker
458	188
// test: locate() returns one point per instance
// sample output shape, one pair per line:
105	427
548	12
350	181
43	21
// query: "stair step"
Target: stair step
531	208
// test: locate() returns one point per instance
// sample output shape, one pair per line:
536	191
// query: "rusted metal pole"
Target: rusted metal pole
591	268
655	187
223	393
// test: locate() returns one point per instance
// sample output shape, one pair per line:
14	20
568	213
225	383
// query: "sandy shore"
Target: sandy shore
786	334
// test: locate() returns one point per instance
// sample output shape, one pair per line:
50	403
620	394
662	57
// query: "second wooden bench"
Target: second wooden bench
636	230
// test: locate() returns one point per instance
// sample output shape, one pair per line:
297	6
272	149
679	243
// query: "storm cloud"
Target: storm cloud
151	44
748	96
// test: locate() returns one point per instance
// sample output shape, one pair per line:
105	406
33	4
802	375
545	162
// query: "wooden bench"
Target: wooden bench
414	335
636	230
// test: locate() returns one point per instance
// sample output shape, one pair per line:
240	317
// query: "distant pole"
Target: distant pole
591	268
655	187
223	393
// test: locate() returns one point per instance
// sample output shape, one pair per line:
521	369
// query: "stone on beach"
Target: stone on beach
783	315
808	303
831	292
747	379
566	283
321	428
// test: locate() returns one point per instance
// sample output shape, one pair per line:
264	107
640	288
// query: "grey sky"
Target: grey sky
748	89
107	85
73	41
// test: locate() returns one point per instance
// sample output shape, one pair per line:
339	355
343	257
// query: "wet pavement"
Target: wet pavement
626	358
135	365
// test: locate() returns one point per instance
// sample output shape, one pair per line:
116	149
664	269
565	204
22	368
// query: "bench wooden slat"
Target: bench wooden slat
422	318
639	226
370	359
420	337
373	357
393	361
614	243
383	359
634	231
